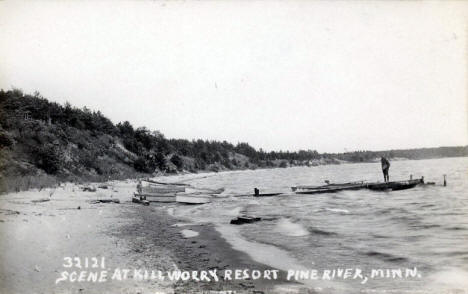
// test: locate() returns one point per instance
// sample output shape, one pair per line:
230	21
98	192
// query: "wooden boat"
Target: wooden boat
328	186
164	197
331	188
164	183
161	190
193	198
211	191
395	186
266	194
258	194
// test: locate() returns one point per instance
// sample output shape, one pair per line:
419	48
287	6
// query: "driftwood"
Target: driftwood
245	220
89	189
140	201
40	200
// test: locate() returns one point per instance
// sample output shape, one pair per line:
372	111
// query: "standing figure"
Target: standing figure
385	168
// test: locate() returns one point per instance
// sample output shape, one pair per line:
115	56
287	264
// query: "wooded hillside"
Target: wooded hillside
44	142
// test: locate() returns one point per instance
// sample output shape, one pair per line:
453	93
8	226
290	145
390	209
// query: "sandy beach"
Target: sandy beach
43	231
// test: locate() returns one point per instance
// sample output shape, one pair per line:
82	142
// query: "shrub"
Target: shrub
141	165
48	158
177	161
5	140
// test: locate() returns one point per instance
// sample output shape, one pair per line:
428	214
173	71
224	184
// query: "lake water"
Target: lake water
425	227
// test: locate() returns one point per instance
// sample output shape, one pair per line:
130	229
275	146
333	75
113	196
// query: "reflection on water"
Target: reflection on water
425	227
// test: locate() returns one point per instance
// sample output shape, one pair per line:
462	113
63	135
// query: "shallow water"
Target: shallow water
425	227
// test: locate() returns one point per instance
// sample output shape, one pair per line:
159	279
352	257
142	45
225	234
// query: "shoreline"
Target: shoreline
41	228
209	250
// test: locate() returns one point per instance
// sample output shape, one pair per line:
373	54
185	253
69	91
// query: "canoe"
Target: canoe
331	188
157	197
328	186
193	199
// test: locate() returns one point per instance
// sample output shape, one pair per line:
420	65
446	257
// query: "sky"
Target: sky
330	76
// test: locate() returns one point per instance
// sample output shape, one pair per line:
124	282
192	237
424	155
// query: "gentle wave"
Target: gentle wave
321	232
288	228
386	256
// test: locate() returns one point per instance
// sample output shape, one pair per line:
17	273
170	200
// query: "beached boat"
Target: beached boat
164	197
193	198
164	183
161	189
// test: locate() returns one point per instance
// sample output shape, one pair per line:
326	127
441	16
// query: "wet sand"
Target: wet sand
206	251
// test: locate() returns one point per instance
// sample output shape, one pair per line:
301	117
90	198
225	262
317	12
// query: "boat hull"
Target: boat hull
157	197
161	190
193	199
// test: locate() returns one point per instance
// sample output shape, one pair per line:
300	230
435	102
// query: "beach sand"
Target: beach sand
39	229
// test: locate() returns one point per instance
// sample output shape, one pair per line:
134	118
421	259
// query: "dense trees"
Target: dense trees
62	139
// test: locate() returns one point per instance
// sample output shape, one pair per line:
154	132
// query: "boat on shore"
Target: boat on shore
166	189
164	197
193	198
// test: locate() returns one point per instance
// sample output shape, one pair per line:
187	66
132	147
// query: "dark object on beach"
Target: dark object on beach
79	207
105	201
136	199
445	180
103	187
257	193
89	189
245	220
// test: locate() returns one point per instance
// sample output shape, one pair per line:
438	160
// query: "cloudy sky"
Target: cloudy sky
325	75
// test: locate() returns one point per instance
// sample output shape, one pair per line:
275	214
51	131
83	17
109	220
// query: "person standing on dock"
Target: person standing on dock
385	168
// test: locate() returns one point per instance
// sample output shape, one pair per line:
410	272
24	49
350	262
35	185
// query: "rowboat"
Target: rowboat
330	189
164	183
193	198
161	190
333	188
395	186
328	186
164	197
266	194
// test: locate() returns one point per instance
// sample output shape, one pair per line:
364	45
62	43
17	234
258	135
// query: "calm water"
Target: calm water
425	227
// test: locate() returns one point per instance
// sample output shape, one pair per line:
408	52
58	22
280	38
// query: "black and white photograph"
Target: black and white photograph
233	147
